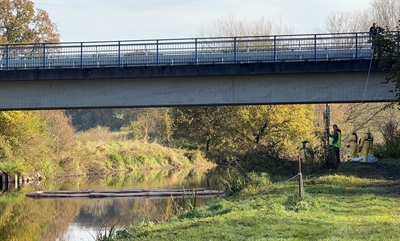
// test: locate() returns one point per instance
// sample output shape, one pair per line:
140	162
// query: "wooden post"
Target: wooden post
300	179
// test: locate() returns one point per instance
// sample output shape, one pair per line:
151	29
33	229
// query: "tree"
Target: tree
85	119
388	46
23	141
231	26
61	132
21	23
24	136
152	124
350	21
383	12
226	132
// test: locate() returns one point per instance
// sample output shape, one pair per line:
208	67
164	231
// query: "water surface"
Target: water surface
23	218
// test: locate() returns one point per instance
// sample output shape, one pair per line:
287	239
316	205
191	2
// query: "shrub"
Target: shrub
195	156
390	149
117	160
296	203
259	179
233	185
264	161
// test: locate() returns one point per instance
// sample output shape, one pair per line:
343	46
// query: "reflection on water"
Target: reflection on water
23	218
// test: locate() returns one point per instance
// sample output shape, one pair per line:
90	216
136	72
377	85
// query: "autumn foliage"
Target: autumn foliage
20	22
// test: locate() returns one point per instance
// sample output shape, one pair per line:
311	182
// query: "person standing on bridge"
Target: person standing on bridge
336	143
374	31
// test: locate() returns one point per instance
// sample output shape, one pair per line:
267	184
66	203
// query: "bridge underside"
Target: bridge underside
263	87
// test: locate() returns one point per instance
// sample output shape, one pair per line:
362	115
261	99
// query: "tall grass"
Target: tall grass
343	204
102	152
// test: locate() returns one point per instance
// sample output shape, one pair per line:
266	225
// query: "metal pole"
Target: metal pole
44	56
7	57
234	50
315	47
119	53
356	45
300	179
326	139
157	60
328	118
81	56
274	48
196	57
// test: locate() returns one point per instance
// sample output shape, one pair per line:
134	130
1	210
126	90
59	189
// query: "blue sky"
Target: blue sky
98	20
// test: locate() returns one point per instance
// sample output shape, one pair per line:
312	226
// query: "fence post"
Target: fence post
300	179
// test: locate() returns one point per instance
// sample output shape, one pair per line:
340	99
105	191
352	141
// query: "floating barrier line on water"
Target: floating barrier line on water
134	193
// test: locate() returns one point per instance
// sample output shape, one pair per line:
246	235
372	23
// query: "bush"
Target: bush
259	179
390	150
263	161
296	203
195	156
116	160
391	135
233	185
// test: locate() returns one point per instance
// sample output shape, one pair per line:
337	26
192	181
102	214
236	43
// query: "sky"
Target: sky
103	20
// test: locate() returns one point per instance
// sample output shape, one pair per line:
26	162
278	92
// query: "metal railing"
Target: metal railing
188	51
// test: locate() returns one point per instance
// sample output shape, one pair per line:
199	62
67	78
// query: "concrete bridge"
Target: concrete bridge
237	71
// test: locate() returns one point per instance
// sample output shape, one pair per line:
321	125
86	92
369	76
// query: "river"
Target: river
24	218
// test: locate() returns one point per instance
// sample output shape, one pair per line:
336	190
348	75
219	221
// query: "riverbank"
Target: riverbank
358	201
101	152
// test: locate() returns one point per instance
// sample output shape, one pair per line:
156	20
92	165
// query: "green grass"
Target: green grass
356	202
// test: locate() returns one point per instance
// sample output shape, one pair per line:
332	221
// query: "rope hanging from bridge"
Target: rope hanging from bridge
366	83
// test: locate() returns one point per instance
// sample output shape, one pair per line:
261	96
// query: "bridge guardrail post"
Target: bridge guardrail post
234	50
81	55
356	46
196	58
119	53
274	48
7	57
157	58
44	56
315	47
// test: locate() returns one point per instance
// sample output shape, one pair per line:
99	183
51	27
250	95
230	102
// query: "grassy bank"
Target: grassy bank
358	201
98	152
